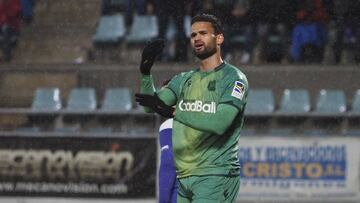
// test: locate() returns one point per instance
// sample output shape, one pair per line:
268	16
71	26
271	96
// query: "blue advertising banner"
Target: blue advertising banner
279	168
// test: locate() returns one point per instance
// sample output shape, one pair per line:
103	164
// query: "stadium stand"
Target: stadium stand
281	132
238	40
289	101
295	101
329	113
329	116
117	99
45	105
117	5
356	102
110	30
352	128
67	130
108	38
140	24
28	130
47	99
111	77
316	132
81	103
63	30
82	99
136	36
352	132
100	130
171	31
260	106
260	101
331	101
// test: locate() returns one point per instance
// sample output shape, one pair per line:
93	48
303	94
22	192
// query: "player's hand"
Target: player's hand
156	104
151	51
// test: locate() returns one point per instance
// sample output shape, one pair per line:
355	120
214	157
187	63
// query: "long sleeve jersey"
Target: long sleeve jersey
208	119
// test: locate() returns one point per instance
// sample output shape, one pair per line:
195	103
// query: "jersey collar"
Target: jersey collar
222	65
219	67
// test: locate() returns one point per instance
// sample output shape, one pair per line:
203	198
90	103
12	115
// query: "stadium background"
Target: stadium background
69	150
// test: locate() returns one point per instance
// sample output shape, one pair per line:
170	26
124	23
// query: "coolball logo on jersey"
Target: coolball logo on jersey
197	106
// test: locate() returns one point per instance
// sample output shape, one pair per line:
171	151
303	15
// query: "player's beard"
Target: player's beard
206	53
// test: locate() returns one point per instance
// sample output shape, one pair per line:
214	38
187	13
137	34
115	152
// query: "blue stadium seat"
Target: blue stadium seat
281	131
117	99
316	132
138	131
187	24
28	130
352	132
67	130
100	130
260	101
331	101
356	102
46	99
111	29
82	99
238	39
295	101
143	28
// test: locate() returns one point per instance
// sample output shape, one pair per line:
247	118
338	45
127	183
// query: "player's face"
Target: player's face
204	42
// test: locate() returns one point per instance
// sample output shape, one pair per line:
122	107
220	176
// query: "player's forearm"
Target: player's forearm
216	123
147	87
165	94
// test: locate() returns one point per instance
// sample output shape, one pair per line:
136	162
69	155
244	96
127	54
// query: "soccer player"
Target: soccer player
167	174
209	114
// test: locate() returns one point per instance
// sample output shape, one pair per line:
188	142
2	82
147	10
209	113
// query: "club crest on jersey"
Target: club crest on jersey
188	83
238	90
212	85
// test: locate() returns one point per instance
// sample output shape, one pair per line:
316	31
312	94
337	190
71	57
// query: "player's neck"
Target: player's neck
211	62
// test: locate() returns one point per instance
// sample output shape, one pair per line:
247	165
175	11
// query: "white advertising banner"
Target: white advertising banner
284	169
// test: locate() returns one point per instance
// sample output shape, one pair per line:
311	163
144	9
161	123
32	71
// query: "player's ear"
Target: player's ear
219	39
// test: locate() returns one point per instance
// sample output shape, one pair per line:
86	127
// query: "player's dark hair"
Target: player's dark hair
215	22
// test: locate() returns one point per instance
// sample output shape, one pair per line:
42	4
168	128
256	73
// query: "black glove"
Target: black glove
156	104
152	50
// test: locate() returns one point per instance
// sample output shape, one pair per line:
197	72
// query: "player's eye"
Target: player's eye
193	35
